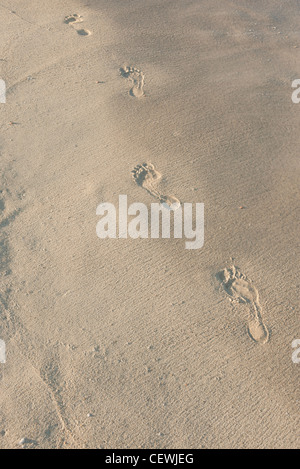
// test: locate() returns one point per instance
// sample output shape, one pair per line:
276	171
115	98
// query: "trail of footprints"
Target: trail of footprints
235	284
147	177
240	289
73	20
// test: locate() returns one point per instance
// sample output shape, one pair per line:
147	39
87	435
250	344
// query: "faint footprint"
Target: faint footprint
137	79
146	176
73	19
240	289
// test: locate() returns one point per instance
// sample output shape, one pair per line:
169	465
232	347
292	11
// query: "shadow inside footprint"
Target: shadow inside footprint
83	32
73	19
125	72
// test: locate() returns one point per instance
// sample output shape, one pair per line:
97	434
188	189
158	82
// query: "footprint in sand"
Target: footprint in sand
83	32
146	176
137	79
240	289
74	19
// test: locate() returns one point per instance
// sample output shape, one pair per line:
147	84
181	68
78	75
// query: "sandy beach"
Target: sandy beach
142	343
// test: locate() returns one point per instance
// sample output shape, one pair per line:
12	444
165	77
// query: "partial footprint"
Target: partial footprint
137	79
73	19
146	176
240	289
83	32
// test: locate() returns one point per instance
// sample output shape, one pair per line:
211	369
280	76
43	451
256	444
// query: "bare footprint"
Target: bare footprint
146	176
73	19
137	79
240	289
